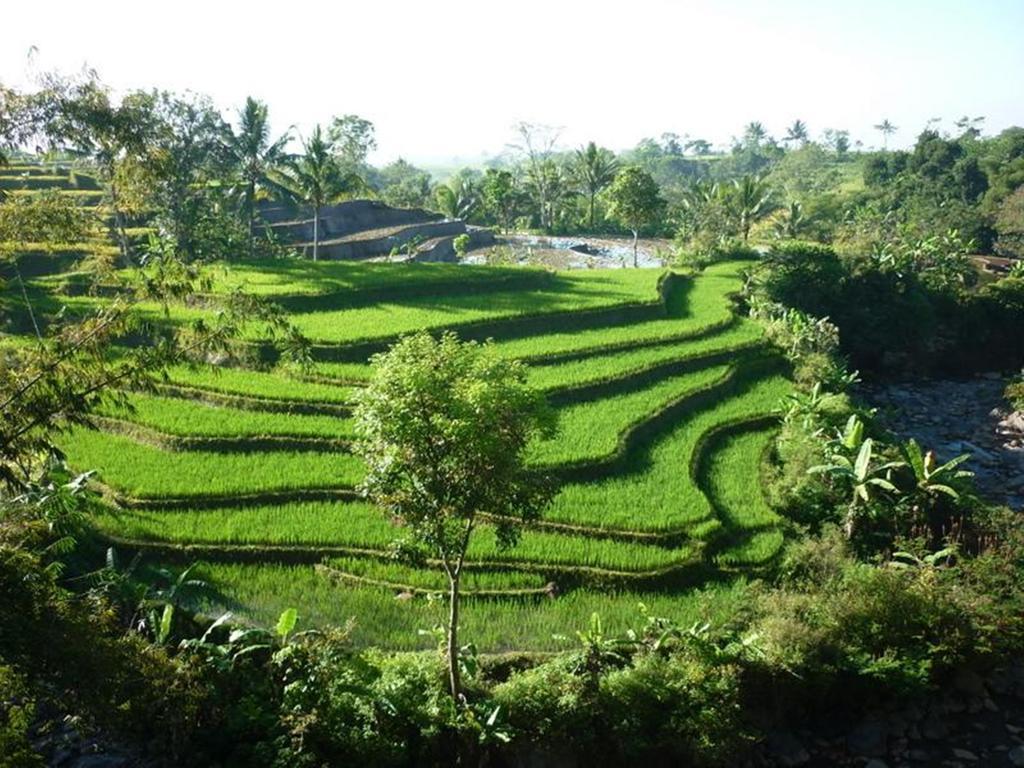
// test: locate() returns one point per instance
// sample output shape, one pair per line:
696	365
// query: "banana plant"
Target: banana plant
806	406
930	477
599	649
860	474
908	560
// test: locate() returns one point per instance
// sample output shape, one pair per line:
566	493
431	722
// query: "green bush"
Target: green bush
17	711
838	622
678	707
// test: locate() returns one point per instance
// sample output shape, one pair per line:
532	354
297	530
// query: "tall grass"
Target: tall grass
291	277
177	417
142	471
566	292
702	305
593	430
731	473
248	383
433	579
656	491
358	525
599	367
260	593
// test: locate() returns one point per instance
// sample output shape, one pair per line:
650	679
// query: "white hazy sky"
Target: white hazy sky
448	79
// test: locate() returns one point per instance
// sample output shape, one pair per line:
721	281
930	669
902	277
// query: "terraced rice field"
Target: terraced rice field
665	411
666	400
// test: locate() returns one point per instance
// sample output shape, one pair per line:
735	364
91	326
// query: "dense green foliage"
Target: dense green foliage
715	536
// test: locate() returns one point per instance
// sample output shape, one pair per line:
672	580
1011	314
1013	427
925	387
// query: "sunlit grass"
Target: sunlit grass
175	416
145	472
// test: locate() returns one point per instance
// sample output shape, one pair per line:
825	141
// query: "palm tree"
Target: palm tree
750	200
595	169
797	132
254	155
754	133
456	199
791	222
887	129
316	179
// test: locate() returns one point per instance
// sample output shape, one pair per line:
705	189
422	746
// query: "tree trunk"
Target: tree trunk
636	237
454	679
119	231
592	196
251	199
850	524
316	231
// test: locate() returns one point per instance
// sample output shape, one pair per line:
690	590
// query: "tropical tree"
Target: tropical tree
797	133
791	222
443	427
551	186
181	168
501	196
255	156
636	202
403	185
352	139
749	200
457	198
970	127
536	145
316	179
887	129
595	169
754	133
698	146
87	121
838	140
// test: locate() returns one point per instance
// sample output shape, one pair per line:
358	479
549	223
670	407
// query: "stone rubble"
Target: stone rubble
975	720
955	417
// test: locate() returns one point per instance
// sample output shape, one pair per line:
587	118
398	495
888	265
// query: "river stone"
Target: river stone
786	749
969	683
964	754
868	739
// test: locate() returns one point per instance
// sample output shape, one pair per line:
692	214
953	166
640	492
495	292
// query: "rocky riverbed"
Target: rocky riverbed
964	416
977	720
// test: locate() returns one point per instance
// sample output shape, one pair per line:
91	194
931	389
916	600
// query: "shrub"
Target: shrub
677	707
546	702
17	711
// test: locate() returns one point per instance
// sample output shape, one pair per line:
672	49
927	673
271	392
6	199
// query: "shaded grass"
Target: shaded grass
567	292
656	491
592	431
690	310
433	579
731	472
277	385
363	526
600	367
259	593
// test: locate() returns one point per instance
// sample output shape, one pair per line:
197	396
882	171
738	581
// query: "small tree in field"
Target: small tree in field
443	426
636	202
